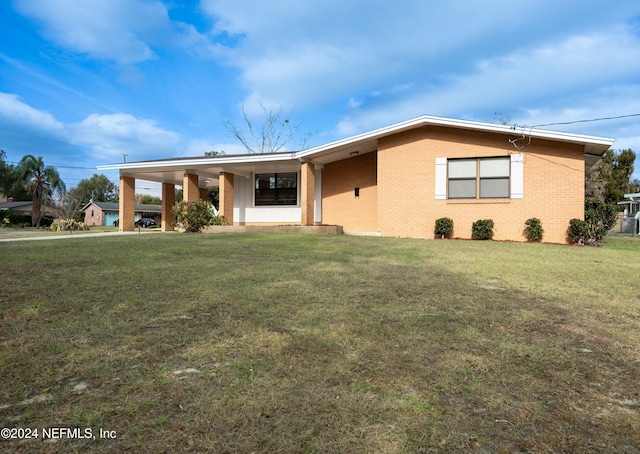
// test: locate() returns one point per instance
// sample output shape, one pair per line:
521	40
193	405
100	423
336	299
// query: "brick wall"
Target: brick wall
168	202
190	189
307	189
553	185
127	204
226	196
96	219
340	205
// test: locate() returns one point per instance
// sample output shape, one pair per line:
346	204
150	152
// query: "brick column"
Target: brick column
168	201
307	190
190	190
127	204
226	196
204	194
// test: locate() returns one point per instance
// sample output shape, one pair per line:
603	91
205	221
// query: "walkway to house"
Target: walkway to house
21	236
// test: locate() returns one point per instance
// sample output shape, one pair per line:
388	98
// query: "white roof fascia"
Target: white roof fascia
186	163
463	124
424	120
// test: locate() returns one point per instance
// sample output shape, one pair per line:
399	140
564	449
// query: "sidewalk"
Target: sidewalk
19	236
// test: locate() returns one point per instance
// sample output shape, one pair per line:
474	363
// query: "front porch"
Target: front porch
248	191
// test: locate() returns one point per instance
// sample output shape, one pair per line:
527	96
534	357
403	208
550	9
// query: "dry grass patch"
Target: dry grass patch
300	343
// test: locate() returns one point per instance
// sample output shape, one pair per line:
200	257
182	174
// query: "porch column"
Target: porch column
204	194
307	190
226	196
190	190
168	201
127	204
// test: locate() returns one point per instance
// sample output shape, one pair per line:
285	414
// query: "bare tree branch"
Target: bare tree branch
275	133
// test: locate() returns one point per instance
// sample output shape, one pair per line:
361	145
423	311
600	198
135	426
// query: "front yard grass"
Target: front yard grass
310	343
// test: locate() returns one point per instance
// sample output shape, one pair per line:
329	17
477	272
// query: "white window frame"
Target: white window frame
516	178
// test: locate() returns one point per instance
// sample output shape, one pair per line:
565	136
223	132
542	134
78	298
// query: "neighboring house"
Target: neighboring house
107	213
24	207
394	181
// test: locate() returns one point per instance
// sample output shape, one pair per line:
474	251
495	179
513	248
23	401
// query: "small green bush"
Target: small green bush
218	219
61	225
578	231
444	227
193	216
600	218
482	229
11	218
533	229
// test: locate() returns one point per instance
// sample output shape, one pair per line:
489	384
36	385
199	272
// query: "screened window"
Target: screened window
488	177
276	189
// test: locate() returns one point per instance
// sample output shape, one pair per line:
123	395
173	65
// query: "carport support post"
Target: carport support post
307	177
226	196
168	201
190	190
127	204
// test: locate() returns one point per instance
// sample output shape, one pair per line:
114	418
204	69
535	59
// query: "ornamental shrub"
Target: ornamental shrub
218	219
193	216
600	218
533	229
482	229
578	231
11	218
61	225
444	227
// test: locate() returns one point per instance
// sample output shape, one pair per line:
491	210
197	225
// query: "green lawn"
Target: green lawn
308	343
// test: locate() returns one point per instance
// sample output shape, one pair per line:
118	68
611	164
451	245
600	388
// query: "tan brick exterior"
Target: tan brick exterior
340	205
307	184
400	173
127	204
190	190
226	196
168	202
399	199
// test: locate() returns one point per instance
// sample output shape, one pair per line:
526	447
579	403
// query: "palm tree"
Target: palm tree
41	181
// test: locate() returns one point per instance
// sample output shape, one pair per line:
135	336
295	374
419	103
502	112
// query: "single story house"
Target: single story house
20	207
107	213
393	181
24	207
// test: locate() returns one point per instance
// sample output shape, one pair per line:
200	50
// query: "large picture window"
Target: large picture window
485	178
276	189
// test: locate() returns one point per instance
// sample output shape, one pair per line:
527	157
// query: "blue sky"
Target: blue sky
83	83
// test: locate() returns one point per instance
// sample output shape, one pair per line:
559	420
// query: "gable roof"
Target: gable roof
115	206
208	168
594	146
13	205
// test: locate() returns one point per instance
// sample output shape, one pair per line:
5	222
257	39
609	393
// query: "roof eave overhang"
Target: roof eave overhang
594	147
182	163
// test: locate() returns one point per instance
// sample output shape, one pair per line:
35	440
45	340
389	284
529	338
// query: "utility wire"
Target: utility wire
44	138
587	121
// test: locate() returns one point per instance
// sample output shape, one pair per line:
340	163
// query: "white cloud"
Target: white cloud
112	135
14	111
576	72
198	147
303	54
118	30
